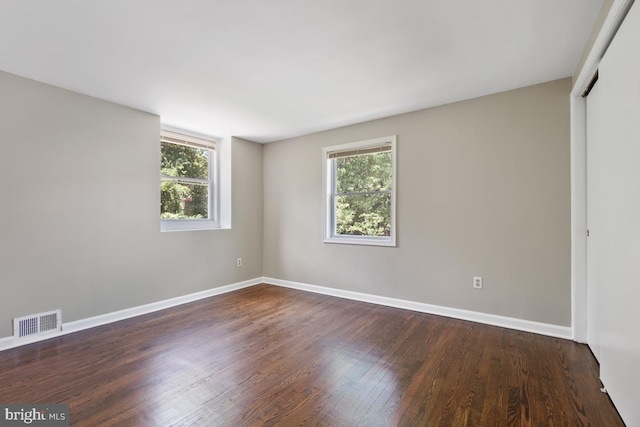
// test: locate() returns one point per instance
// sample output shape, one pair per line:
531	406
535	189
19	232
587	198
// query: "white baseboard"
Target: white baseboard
564	332
91	322
474	316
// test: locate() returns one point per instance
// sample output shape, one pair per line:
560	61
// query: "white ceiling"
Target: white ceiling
268	70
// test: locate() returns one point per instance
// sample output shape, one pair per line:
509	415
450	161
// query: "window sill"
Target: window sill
188	225
366	241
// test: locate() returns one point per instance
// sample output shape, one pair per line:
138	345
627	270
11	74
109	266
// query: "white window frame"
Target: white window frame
329	187
189	139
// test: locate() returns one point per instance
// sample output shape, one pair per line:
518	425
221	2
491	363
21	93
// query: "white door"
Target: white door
613	209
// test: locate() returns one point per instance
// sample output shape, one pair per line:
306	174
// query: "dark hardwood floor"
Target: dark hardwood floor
273	356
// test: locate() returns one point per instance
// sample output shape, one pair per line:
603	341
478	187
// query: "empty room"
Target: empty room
331	213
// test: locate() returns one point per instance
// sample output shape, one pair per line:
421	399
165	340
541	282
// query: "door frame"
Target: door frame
578	117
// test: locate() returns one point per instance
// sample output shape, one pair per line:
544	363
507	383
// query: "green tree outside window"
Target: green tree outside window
363	195
184	187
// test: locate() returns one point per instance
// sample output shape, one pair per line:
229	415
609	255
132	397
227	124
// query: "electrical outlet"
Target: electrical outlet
477	282
239	262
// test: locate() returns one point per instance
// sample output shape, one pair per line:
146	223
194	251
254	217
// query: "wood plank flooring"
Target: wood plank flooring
267	355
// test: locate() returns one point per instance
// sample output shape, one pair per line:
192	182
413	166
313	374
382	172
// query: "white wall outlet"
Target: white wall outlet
477	282
239	262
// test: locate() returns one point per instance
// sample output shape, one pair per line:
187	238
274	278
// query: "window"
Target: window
188	193
359	183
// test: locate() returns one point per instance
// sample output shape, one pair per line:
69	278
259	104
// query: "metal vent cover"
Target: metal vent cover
37	324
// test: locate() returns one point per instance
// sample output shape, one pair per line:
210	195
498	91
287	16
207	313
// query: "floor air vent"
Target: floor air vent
37	324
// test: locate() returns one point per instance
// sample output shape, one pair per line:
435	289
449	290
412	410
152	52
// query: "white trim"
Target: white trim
364	240
612	22
367	143
103	319
614	18
169	225
473	316
578	219
194	140
327	178
189	133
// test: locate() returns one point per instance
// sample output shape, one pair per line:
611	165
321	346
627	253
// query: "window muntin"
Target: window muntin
360	199
187	183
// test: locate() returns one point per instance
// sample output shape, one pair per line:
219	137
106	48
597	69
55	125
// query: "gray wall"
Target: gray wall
483	189
79	220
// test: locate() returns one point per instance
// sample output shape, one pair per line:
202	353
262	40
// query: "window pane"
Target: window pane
363	215
180	200
366	173
182	161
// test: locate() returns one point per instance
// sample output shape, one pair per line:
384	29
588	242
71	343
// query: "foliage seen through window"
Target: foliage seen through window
184	187
363	195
